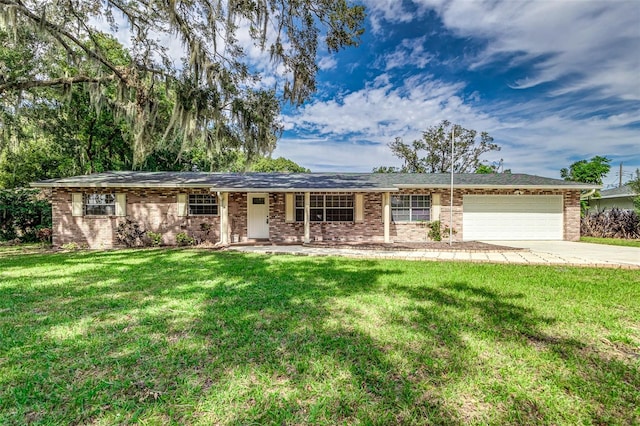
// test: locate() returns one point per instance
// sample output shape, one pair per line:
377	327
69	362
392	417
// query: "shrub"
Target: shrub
437	232
614	223
130	234
22	212
183	239
44	235
155	238
70	246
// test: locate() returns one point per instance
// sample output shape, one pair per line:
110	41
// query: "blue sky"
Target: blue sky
552	81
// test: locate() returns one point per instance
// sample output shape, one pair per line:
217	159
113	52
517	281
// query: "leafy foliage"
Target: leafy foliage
155	238
23	213
130	234
591	171
280	164
432	153
634	184
614	223
211	95
183	239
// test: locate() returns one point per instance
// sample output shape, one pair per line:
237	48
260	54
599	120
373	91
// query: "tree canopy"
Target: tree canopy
213	94
432	153
587	171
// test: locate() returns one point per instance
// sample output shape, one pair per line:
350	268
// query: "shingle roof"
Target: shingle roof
280	182
621	191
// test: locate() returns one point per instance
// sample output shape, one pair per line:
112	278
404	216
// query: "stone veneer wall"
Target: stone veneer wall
154	209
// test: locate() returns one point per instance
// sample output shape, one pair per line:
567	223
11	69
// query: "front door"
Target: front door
258	215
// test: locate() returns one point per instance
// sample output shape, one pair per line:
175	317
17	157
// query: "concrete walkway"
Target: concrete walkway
593	253
536	255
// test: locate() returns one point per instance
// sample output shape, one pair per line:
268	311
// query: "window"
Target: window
99	204
203	204
299	208
326	208
410	208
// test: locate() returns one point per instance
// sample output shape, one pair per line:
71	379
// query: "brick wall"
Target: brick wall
371	229
156	210
571	208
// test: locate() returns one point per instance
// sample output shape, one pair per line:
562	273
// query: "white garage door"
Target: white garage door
512	217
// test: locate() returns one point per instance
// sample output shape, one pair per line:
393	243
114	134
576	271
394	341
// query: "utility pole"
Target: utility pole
620	182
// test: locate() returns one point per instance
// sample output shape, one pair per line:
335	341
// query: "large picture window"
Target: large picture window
203	204
410	208
99	204
326	207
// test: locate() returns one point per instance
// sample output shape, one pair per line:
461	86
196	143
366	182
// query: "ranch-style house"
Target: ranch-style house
231	208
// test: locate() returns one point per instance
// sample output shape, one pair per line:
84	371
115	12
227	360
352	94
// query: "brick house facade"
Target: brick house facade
163	205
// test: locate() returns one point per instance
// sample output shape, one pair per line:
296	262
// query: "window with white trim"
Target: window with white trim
326	207
203	205
99	204
411	208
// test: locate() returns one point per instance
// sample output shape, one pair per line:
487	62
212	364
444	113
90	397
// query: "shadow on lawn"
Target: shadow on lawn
201	337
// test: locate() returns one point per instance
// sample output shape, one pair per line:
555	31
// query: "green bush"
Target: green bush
437	232
434	231
70	246
155	238
23	212
183	239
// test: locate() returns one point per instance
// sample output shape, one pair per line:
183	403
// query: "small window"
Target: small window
257	200
203	205
299	208
411	208
99	204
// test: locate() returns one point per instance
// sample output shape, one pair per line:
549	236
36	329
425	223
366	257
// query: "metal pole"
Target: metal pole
453	131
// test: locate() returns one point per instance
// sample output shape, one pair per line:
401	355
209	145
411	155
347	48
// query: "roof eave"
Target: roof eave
495	186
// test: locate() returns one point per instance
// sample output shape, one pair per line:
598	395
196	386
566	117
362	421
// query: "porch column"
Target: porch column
307	217
386	216
224	217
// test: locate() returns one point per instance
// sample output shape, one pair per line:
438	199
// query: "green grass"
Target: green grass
198	337
611	241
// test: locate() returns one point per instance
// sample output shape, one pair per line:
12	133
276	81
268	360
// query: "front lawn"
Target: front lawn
611	241
198	337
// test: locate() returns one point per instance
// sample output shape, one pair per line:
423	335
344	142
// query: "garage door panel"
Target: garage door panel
506	217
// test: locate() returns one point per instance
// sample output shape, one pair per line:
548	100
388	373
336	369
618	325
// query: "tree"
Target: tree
634	184
484	169
215	94
436	145
591	171
386	169
280	165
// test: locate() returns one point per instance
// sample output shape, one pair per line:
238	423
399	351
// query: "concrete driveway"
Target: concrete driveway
581	253
538	253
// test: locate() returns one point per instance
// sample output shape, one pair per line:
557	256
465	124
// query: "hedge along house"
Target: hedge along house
300	208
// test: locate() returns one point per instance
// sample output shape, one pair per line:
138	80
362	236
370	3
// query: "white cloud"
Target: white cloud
410	52
541	143
593	44
327	63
